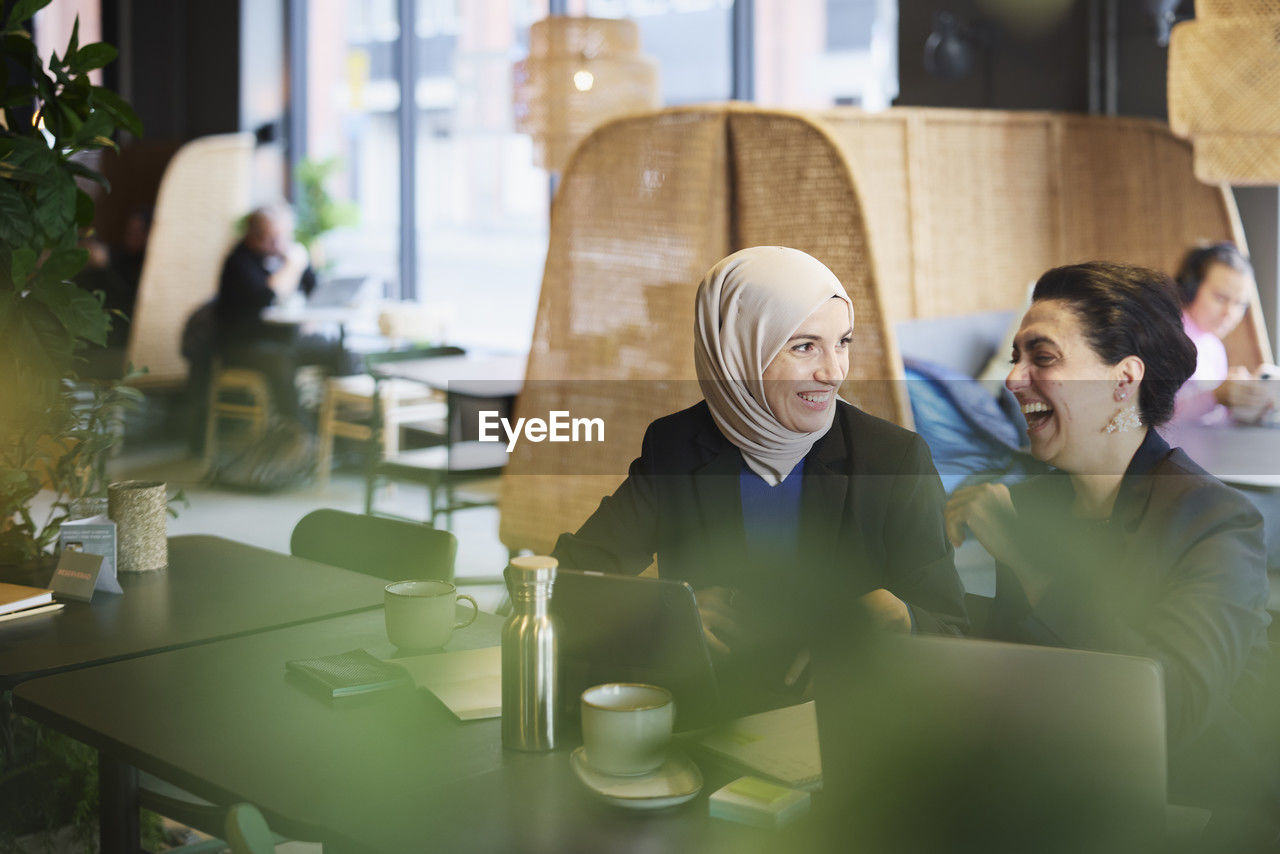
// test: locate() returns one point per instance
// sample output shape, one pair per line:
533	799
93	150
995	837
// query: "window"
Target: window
820	53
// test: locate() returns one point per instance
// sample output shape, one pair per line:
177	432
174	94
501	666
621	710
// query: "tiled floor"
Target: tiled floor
268	520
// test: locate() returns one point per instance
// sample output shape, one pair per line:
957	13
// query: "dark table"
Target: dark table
393	771
212	589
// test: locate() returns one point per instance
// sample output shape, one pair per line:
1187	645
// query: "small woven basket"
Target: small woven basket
138	507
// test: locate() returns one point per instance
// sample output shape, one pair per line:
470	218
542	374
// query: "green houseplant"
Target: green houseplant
317	211
52	113
55	432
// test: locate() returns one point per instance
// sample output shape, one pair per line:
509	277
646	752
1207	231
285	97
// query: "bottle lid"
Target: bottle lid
531	569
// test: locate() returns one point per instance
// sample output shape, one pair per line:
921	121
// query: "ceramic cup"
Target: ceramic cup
420	614
626	727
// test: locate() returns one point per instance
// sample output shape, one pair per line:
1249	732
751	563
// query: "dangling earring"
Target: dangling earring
1125	419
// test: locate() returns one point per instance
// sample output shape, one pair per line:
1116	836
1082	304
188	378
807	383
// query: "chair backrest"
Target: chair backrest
204	192
384	548
247	831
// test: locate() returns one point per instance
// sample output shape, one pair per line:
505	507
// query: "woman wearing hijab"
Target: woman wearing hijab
784	507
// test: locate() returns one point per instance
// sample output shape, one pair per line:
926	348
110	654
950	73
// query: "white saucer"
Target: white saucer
675	781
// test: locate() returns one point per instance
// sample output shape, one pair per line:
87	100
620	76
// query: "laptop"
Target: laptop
618	628
341	291
950	744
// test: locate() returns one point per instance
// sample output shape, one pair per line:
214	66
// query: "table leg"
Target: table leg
117	807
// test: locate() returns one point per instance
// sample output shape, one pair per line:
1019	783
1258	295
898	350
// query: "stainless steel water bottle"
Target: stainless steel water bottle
530	687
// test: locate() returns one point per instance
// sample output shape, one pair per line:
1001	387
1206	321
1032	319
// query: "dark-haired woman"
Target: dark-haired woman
1129	547
1214	284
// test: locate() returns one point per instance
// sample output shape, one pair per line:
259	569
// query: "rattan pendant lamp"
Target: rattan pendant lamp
1224	90
580	72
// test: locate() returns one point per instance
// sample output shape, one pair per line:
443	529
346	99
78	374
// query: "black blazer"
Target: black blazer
871	515
1178	574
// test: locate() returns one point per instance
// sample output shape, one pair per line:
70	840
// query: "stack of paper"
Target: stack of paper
780	745
468	682
19	600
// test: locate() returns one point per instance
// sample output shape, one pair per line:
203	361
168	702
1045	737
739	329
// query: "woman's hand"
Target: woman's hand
987	511
885	611
719	620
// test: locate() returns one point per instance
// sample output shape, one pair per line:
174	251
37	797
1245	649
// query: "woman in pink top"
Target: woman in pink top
1215	282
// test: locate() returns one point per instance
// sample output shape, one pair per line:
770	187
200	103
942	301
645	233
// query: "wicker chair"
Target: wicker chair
205	190
919	212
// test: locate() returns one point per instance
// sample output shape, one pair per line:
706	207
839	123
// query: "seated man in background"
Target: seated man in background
267	267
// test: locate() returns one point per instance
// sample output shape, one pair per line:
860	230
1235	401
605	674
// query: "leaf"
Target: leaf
24	10
19	47
75	38
55	209
61	266
119	108
78	310
92	56
15	217
75	167
23	265
84	208
99	124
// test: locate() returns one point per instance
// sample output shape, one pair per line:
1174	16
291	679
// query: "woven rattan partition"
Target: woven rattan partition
967	207
205	190
921	213
1222	84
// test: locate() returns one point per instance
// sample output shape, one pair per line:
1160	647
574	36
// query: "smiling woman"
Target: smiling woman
787	509
1131	547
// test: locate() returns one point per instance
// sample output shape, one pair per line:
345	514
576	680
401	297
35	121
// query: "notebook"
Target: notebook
17	597
353	672
779	745
468	682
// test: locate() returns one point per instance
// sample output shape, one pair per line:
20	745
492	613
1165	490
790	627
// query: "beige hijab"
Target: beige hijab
748	306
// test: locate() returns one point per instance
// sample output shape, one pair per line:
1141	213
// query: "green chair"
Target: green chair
384	548
247	832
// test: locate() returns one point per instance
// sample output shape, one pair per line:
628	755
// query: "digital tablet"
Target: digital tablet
619	628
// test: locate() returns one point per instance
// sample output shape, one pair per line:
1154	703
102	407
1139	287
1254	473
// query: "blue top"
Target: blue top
771	518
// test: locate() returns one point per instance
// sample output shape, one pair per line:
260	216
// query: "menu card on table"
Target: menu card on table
95	536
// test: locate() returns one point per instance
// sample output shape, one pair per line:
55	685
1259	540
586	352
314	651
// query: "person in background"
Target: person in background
266	267
1130	547
784	507
1215	283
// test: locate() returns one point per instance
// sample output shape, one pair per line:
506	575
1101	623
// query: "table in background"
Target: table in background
392	771
468	376
213	588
